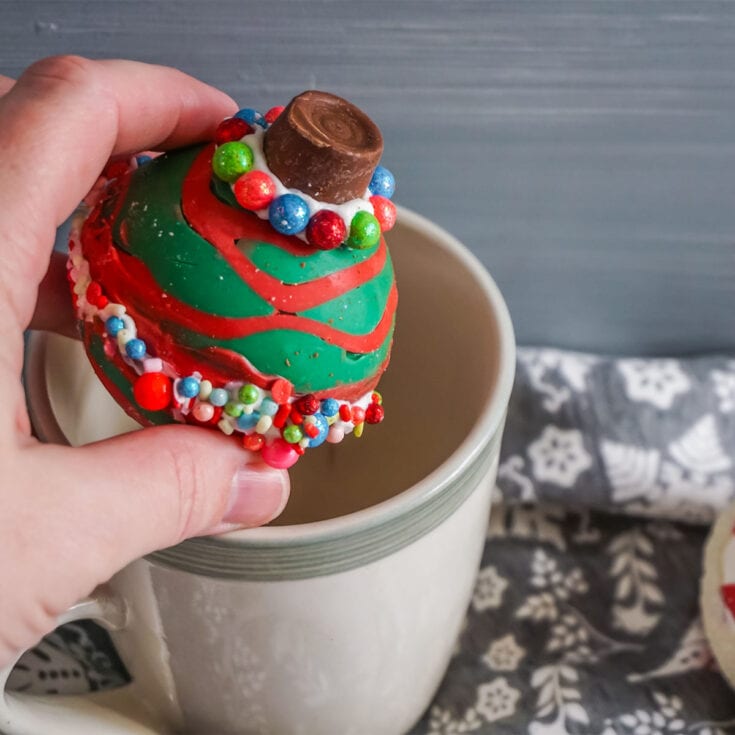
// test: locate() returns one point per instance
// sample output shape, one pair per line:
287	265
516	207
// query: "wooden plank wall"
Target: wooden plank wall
583	149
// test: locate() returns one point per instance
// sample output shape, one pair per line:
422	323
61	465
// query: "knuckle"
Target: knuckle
191	491
75	78
64	70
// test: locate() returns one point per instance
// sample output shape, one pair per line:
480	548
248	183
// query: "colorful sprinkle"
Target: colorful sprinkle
253	442
289	214
293	434
225	427
385	212
357	431
295	416
234	409
203	412
135	349
254	190
251	116
205	390
382	183
273	113
318	422
335	435
218	397
153	365
188	387
231	128
326	230
364	231
249	394
113	325
279	454
152	391
93	293
345	412
330	406
281	390
268	407
248	421
264	423
374	413
232	160
358	414
279	420
308	404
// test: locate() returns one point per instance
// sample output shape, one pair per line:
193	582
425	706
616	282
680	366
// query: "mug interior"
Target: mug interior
444	370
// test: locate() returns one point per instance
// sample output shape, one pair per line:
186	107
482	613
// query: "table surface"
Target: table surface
584	150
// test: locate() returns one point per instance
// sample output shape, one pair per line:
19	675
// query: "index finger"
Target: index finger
61	121
5	84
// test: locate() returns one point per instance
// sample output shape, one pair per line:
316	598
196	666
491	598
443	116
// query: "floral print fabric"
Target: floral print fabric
583	624
584	618
644	437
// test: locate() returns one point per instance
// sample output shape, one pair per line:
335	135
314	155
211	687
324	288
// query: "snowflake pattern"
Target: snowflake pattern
657	382
559	456
504	654
496	699
489	590
555	375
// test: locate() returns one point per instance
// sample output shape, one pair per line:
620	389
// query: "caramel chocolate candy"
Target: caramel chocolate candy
324	146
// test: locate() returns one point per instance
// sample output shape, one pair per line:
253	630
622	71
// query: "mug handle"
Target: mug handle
115	712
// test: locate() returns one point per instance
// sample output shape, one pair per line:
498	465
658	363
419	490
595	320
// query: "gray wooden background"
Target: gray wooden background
583	149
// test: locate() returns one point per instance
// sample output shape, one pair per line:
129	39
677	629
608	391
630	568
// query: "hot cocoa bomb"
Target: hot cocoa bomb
244	285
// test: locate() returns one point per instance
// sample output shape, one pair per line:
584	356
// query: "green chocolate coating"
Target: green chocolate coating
152	227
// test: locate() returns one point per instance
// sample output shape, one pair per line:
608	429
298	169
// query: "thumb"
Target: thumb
73	517
127	496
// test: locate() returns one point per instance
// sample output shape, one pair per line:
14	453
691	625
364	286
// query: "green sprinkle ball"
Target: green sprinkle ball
248	394
233	409
293	434
364	231
232	160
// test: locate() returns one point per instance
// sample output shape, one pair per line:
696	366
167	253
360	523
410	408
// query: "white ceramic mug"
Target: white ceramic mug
340	619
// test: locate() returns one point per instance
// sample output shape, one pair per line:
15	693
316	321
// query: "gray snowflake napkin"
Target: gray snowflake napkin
583	624
648	436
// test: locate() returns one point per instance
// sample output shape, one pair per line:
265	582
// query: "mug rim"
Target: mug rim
447	473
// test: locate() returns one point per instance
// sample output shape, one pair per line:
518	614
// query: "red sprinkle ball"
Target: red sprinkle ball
254	190
93	293
153	391
253	442
308	405
273	113
374	413
232	128
326	230
385	212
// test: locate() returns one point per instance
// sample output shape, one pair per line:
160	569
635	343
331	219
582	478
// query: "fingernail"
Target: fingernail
258	495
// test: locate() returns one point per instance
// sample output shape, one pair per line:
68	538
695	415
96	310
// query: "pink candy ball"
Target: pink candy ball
279	454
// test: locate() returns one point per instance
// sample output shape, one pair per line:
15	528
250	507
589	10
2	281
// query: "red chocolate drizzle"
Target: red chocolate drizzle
128	281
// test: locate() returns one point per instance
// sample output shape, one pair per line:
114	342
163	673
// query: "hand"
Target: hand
70	518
